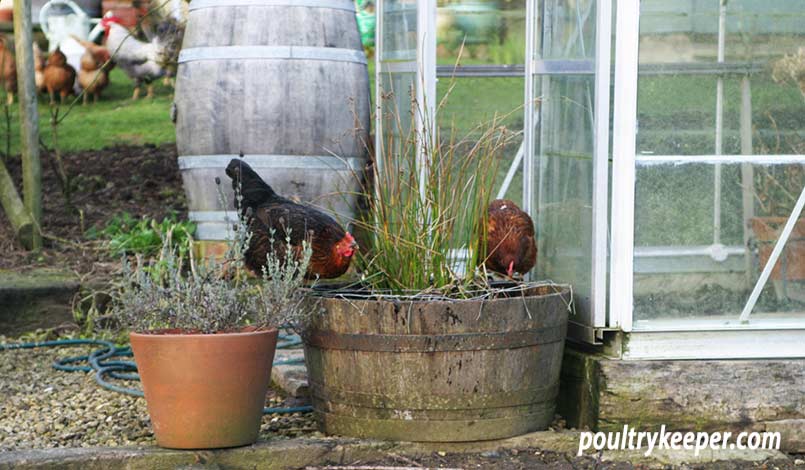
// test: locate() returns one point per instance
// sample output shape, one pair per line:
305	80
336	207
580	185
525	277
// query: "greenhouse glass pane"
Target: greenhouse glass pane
568	29
490	31
399	30
675	106
397	59
771	36
472	105
681	274
674	205
679	70
396	111
565	159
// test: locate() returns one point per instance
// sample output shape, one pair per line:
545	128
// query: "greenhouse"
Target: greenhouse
664	232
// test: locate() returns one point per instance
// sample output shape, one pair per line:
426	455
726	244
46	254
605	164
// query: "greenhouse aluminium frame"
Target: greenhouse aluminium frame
605	313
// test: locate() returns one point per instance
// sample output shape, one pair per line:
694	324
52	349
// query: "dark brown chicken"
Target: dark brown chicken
511	246
8	71
59	76
332	247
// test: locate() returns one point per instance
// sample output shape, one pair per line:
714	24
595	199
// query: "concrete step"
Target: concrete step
40	298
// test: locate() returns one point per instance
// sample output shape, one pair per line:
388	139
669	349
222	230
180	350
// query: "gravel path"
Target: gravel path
44	408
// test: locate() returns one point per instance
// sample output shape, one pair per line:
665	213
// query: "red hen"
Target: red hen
332	246
511	246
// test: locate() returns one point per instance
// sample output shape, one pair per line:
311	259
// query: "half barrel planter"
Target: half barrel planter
439	371
283	82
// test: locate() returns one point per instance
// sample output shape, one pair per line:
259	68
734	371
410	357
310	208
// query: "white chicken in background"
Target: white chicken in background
142	61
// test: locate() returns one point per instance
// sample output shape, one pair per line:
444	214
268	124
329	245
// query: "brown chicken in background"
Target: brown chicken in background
39	69
511	246
95	66
59	76
332	246
8	71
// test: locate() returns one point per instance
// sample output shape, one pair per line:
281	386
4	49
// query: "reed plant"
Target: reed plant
426	220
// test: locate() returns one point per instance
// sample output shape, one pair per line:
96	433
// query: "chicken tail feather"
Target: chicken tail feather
252	188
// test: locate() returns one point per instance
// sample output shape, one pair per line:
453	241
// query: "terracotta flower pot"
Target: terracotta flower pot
205	390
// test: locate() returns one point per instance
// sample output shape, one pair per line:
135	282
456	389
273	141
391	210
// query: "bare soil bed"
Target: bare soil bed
140	180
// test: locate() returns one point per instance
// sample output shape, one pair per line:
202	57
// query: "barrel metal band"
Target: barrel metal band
460	430
434	343
306	162
212	231
347	5
465	401
213	216
335	54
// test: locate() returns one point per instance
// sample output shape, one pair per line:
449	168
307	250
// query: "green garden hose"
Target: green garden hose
126	370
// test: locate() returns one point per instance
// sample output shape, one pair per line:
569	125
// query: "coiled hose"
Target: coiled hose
99	361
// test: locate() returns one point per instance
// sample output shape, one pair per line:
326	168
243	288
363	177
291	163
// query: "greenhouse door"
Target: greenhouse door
566	177
708	180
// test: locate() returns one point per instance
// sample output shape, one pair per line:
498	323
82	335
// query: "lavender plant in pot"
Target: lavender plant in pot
204	337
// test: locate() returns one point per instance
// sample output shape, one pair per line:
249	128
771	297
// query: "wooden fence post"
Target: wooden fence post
14	209
29	117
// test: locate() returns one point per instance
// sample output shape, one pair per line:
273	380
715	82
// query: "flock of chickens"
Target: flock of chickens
142	61
511	245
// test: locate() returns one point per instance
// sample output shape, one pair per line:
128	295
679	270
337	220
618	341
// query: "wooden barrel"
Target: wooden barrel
444	371
283	82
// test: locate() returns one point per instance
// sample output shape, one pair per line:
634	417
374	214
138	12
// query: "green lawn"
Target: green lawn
115	119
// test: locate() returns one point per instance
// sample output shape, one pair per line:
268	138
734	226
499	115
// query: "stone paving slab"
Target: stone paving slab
298	453
291	378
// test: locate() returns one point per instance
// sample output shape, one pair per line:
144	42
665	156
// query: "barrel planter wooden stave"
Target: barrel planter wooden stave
283	82
436	371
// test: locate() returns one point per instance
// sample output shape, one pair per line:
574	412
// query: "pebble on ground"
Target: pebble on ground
45	408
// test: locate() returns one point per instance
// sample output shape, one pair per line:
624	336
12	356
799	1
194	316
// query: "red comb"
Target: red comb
107	20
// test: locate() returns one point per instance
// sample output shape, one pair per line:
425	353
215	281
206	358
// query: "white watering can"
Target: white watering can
59	20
